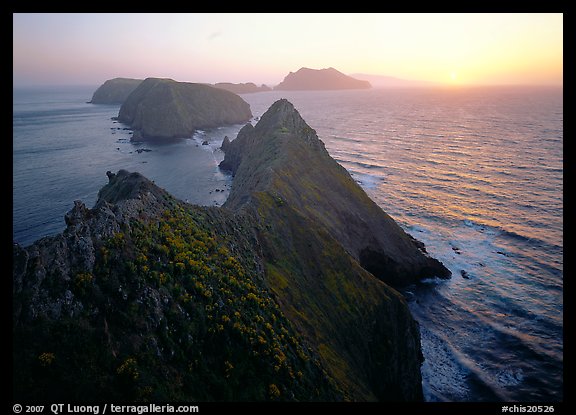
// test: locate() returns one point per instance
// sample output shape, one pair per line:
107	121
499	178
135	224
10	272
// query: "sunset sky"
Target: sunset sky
459	49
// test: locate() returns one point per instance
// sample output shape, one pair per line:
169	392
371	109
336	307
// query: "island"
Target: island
320	79
285	293
163	109
246	88
114	91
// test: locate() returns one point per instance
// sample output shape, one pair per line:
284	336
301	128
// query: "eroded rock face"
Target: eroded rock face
151	298
165	109
324	242
284	157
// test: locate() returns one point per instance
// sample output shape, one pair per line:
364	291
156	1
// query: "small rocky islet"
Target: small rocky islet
284	293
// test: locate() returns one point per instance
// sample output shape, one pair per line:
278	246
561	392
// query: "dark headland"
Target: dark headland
164	108
319	79
281	294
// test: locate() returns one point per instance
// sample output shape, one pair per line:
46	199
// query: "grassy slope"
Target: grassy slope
163	108
359	326
175	308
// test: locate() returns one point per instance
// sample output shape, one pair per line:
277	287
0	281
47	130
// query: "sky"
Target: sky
457	49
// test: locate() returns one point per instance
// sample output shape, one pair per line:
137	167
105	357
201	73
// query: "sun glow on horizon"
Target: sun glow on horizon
453	49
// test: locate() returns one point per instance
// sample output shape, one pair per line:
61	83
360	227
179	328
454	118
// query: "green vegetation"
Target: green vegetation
314	221
330	300
168	313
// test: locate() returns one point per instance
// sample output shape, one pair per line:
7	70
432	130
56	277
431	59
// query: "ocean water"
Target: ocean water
63	146
474	173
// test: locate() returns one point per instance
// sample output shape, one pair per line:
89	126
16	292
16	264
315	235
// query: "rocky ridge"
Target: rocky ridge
284	157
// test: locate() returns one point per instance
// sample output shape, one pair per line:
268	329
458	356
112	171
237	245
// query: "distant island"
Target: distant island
283	294
246	88
115	91
320	79
163	109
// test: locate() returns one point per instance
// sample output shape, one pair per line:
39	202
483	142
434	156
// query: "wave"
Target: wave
481	363
346	139
507	233
366	181
361	164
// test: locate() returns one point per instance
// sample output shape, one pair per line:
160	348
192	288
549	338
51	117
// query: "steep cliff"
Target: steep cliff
328	78
115	91
283	157
163	109
320	235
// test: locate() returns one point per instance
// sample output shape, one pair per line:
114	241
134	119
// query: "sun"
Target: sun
453	76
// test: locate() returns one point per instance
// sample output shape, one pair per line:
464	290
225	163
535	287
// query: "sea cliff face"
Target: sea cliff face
164	109
283	156
145	297
115	91
320	236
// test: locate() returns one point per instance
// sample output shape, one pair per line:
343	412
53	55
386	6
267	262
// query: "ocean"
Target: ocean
474	173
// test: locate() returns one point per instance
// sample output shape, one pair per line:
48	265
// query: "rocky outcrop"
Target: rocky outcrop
164	109
246	88
225	143
313	79
144	297
328	249
147	298
283	156
115	91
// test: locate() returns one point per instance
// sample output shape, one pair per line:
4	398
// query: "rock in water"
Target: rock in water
163	109
115	91
312	79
